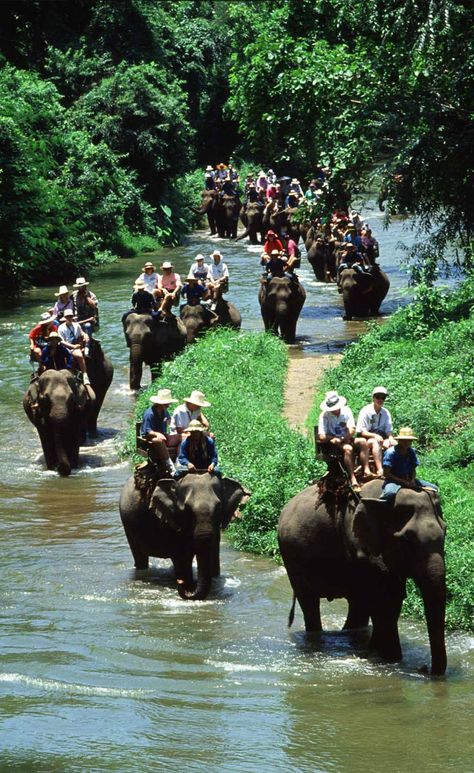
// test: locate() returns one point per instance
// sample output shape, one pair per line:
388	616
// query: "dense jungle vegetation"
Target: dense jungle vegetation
107	106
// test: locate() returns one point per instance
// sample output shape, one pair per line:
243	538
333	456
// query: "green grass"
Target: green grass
243	376
423	355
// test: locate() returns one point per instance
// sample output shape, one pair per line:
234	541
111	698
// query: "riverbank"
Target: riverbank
423	355
303	377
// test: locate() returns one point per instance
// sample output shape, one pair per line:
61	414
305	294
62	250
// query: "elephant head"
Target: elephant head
57	405
150	342
196	507
208	200
409	539
281	301
196	319
362	293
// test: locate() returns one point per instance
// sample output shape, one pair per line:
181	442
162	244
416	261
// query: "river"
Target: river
100	671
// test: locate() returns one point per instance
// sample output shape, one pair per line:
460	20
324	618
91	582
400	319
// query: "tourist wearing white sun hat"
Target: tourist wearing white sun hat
374	423
156	428
189	410
336	426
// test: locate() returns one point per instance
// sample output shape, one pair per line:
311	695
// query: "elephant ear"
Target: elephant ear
165	504
367	528
233	495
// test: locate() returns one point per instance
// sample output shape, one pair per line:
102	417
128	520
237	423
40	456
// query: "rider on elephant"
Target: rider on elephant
399	468
336	427
64	301
198	451
169	284
351	258
38	335
86	307
272	242
218	275
274	265
156	429
199	269
374	423
149	276
209	178
55	356
74	339
189	410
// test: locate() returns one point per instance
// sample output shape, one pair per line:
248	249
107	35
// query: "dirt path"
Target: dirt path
303	377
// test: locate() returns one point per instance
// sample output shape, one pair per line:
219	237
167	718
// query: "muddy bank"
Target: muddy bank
304	376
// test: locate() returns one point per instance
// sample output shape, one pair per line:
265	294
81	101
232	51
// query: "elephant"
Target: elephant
252	218
228	314
362	293
180	519
281	300
209	202
281	222
323	260
336	547
197	319
227	215
101	372
58	405
151	341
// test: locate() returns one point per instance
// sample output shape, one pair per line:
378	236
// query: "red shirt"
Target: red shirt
37	334
272	244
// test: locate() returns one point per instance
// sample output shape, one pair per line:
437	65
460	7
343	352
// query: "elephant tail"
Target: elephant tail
291	616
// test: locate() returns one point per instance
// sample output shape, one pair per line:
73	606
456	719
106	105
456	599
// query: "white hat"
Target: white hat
379	390
208	168
332	402
163	397
197	398
195	426
216	252
199	257
191	276
45	317
148	264
67	313
295	181
81	282
53	334
166	264
62	291
139	284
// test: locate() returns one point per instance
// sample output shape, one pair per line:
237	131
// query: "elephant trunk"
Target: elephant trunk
136	364
433	590
200	211
203	586
62	456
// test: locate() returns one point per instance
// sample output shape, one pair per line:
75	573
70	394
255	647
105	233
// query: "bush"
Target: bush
429	376
243	376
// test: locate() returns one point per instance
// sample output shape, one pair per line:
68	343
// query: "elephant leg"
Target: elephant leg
288	331
358	612
308	600
385	639
183	569
215	557
48	448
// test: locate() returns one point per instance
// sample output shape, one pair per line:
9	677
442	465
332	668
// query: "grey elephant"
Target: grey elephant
180	519
151	341
101	372
209	202
58	405
363	293
252	218
281	300
228	314
196	319
322	257
227	215
334	547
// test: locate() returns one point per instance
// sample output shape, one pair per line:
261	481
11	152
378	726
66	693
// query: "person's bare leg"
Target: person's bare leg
363	451
377	455
349	462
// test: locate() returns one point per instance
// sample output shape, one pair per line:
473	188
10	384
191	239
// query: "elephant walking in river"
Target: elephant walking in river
334	547
362	293
281	300
101	372
180	519
151	341
59	406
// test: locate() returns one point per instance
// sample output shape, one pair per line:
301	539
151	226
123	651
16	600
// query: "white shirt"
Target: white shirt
150	280
336	426
218	271
371	421
182	416
200	271
72	334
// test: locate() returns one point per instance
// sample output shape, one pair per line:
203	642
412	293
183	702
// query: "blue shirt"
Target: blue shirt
205	454
403	466
193	294
154	421
62	358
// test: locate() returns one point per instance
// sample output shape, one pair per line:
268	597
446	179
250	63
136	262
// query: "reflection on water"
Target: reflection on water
101	669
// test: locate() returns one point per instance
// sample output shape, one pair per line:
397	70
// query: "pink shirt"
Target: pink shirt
169	282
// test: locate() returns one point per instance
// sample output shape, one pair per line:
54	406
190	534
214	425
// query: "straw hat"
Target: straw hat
148	264
275	252
197	398
62	291
295	181
195	426
191	276
166	264
405	433
163	397
80	282
221	166
139	284
333	402
54	335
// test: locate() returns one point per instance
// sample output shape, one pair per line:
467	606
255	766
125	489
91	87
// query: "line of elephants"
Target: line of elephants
362	293
332	546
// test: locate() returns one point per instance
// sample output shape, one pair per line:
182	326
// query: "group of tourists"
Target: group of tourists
183	434
280	256
156	294
62	337
223	178
394	459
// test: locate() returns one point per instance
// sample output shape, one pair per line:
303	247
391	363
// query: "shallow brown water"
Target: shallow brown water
101	671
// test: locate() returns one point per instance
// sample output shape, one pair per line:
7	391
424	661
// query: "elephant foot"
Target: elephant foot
64	469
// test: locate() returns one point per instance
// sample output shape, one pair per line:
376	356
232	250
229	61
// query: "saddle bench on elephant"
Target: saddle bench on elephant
145	448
